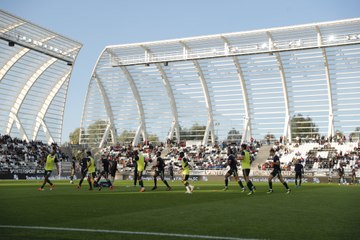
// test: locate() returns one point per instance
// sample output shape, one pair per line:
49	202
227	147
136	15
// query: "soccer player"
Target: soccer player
299	171
341	172
232	163
73	169
104	173
171	171
113	169
353	175
51	159
84	168
91	170
186	171
140	162
245	166
160	171
276	172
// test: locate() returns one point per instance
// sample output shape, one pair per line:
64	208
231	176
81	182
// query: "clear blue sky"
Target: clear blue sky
98	23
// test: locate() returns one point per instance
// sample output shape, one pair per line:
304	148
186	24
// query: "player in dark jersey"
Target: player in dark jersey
104	173
299	171
113	169
171	171
232	163
341	172
73	169
276	172
84	170
160	172
353	175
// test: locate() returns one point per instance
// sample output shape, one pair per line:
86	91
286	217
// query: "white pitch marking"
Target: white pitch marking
125	232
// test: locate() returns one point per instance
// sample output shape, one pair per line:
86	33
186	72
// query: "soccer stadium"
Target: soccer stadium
242	135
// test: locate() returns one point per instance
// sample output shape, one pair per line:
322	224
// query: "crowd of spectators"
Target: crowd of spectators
16	153
318	154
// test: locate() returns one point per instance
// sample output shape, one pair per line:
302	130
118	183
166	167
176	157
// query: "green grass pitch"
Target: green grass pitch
315	211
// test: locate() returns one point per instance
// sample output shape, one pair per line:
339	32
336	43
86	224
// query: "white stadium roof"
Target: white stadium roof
35	70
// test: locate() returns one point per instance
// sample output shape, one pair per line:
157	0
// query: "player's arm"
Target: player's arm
57	165
241	156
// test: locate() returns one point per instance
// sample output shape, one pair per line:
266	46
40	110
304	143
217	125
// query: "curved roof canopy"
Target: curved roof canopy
35	69
290	81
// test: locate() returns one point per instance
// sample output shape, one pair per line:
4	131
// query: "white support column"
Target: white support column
331	130
23	93
246	134
210	123
142	126
110	123
172	102
287	122
41	114
8	65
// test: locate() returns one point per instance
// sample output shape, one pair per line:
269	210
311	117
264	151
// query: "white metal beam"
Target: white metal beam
41	114
142	125
246	133
210	123
331	130
8	65
175	123
23	93
287	122
109	112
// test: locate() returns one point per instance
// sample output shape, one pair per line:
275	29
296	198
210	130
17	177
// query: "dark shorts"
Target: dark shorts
47	173
93	174
83	172
276	172
104	173
246	172
233	172
186	177
139	174
160	173
298	175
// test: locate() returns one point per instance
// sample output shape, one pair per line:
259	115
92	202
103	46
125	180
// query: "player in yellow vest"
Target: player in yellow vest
140	163
90	170
186	172
245	166
50	161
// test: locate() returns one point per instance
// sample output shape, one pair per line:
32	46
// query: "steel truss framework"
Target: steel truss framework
224	86
35	70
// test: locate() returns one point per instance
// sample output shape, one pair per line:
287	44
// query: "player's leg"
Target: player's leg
288	190
271	176
226	179
156	174
186	183
44	181
162	177
141	183
237	178
246	173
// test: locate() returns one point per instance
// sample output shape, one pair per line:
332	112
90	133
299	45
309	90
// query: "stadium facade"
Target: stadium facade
289	81
35	69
